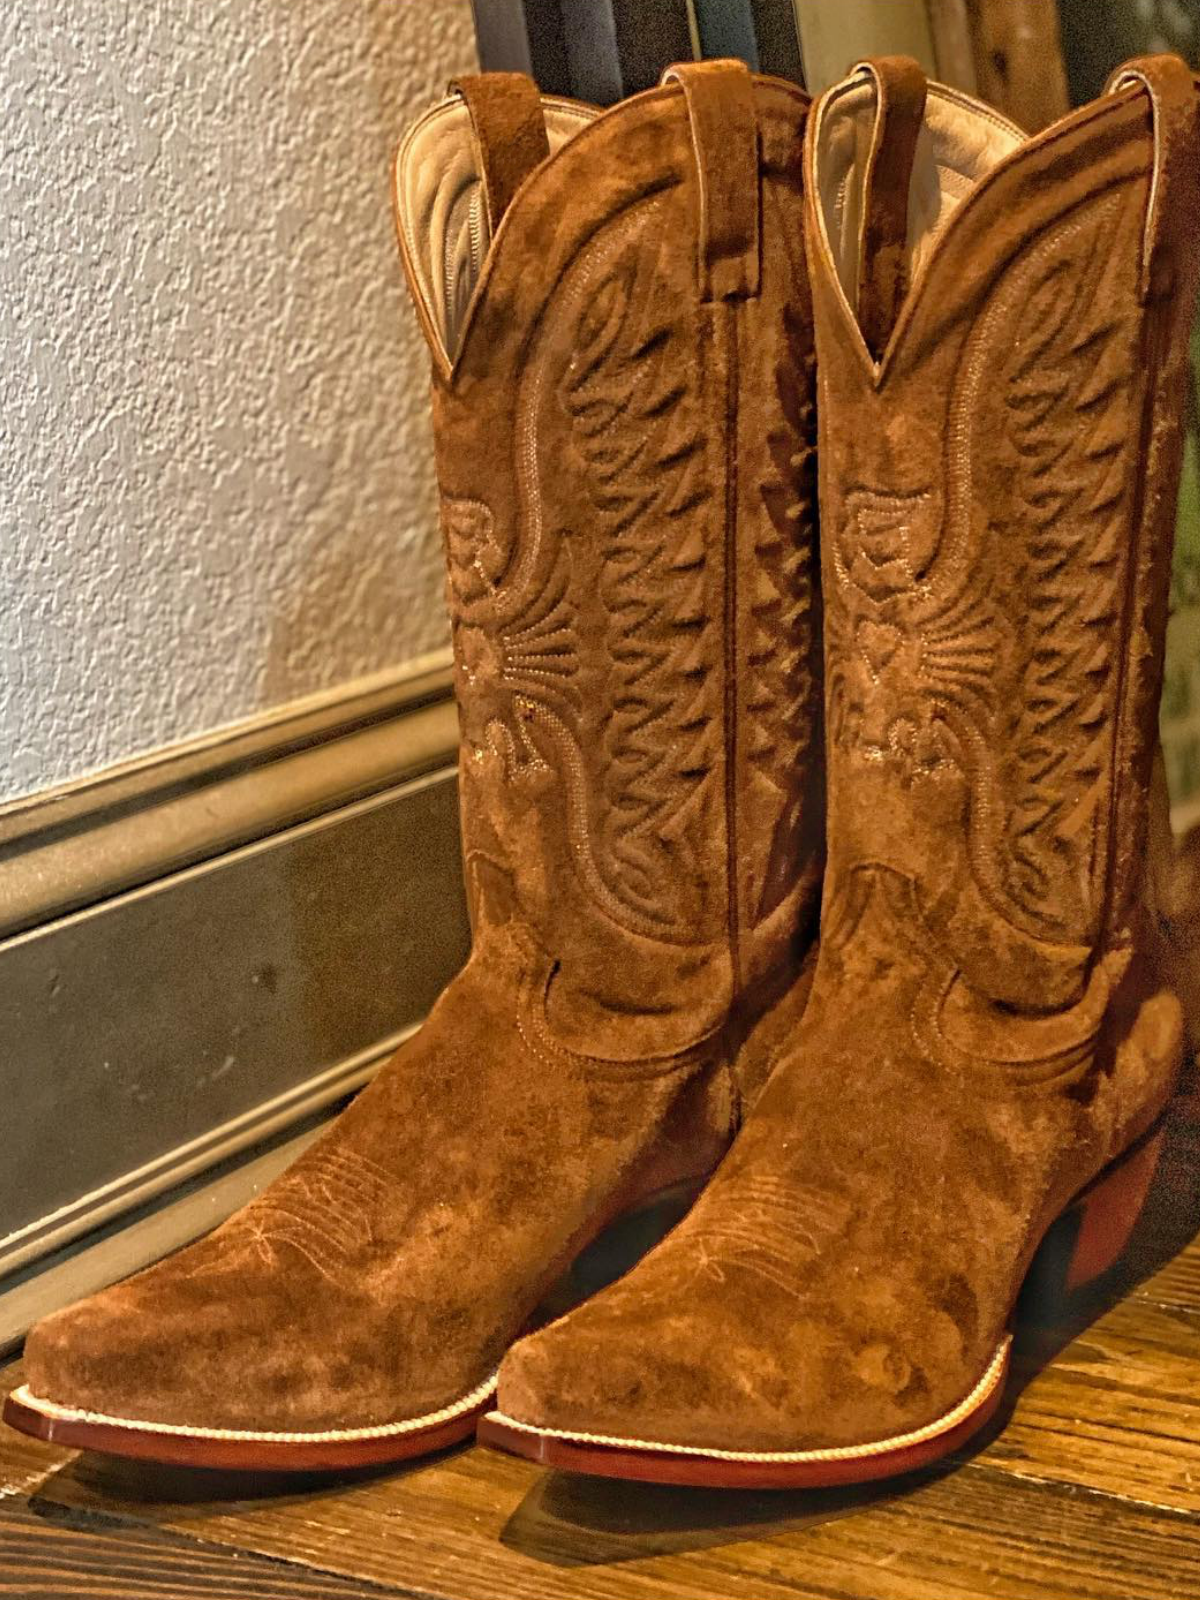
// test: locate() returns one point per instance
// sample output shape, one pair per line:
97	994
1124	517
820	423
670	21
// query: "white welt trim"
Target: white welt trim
383	1430
900	1441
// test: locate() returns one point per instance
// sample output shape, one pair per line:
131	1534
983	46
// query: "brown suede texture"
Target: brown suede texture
509	132
625	449
985	1033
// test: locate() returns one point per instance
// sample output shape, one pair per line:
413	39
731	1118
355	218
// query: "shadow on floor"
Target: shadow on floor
98	1482
567	1520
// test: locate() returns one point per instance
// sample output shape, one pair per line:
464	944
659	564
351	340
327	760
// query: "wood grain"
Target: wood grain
1117	1411
54	1558
1177	1284
479	1525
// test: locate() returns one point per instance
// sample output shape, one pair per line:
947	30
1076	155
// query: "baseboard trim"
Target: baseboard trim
73	846
181	1215
200	956
175	1167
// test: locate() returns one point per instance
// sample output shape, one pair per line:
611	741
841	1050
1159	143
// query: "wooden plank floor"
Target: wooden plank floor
1087	1487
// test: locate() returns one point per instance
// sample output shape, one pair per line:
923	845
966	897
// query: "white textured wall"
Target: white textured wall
215	491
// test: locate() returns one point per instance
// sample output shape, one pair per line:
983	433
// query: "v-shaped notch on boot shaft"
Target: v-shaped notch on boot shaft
625	435
461	165
907	179
446	219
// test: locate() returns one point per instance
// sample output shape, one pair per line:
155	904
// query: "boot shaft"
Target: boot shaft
622	394
1000	368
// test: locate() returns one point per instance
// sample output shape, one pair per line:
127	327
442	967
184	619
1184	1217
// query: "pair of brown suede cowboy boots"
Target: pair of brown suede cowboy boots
663	337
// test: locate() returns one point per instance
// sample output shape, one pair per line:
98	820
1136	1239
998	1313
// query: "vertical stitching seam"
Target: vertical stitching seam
727	313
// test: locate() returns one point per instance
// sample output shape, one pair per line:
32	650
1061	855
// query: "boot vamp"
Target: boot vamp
851	1271
386	1272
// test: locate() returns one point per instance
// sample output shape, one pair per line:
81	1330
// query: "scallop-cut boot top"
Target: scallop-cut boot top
618	312
1001	336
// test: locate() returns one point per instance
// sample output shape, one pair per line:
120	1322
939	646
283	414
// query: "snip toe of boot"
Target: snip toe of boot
548	1381
643	1383
84	1357
131	1352
691	1373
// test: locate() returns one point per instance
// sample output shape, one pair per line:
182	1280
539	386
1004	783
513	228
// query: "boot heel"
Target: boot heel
1089	1238
1108	1212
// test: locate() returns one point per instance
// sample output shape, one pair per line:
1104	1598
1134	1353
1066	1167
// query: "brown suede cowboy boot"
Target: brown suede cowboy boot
623	369
1000	354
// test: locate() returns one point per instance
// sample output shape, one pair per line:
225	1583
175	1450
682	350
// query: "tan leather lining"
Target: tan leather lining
962	141
442	212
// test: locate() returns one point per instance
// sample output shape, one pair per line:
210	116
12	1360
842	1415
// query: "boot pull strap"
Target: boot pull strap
509	133
1171	208
724	128
883	232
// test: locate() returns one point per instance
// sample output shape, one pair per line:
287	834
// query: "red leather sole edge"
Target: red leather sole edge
710	1472
238	1455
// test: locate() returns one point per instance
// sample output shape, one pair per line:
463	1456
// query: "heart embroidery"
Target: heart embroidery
878	643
